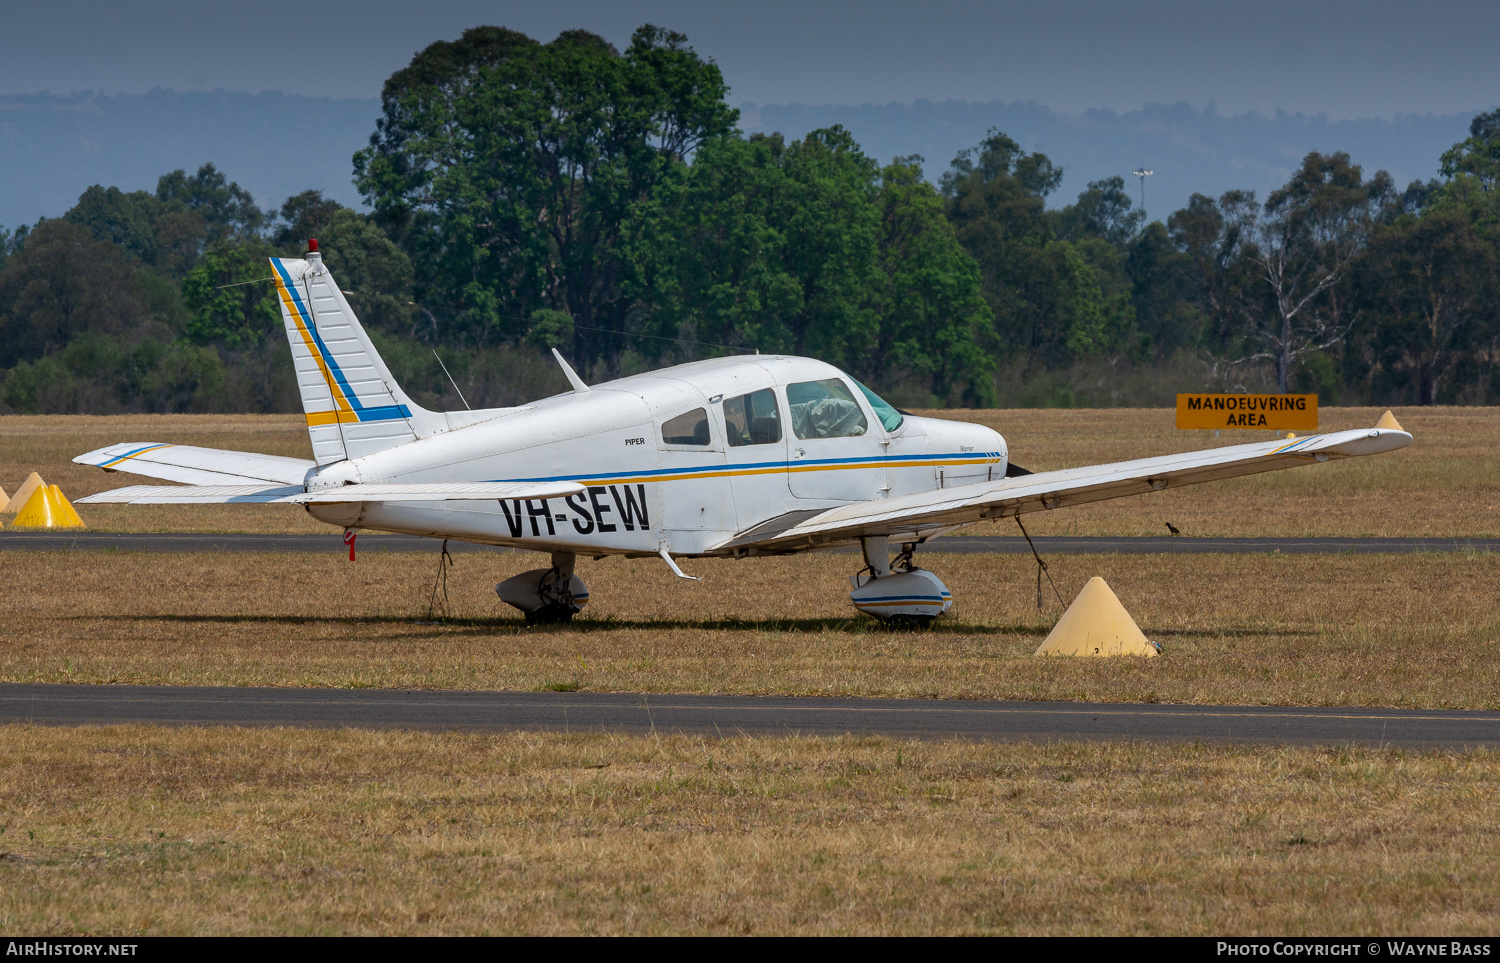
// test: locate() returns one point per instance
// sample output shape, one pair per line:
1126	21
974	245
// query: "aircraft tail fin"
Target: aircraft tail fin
353	405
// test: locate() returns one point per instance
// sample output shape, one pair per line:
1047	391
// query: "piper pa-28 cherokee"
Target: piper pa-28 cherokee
732	457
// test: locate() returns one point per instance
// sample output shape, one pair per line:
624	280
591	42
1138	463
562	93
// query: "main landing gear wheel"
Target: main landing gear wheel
551	615
898	594
547	596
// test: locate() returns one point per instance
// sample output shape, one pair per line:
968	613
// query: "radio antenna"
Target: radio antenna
450	379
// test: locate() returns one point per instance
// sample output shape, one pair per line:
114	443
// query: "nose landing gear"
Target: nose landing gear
897	593
547	594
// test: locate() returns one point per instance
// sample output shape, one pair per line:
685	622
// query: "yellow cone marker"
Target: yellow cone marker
4	501
47	508
1388	420
23	494
1096	624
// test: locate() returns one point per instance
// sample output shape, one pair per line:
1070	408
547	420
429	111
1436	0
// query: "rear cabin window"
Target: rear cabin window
752	419
825	409
688	429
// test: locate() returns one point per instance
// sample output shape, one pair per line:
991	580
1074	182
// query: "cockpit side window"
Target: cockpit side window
825	409
752	419
687	429
889	417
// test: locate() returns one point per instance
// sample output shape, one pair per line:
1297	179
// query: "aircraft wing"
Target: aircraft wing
913	517
295	495
198	466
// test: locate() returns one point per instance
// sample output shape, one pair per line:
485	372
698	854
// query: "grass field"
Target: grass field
1393	494
147	830
138	830
1391	630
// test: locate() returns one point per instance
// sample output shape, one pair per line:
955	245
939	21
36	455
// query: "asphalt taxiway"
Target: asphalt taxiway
726	716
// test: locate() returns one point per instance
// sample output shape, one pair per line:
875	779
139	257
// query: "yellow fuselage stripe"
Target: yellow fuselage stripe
778	470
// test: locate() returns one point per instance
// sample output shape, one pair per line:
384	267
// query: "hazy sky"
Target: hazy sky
1345	59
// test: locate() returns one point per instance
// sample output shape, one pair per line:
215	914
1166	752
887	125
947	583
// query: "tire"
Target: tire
550	615
910	621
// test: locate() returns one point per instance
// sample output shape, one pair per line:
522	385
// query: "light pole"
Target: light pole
1143	173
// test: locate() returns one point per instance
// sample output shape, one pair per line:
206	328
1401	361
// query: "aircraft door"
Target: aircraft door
695	496
834	455
756	455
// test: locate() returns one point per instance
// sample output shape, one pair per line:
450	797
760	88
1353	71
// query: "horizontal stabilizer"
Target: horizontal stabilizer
457	492
194	495
198	466
295	495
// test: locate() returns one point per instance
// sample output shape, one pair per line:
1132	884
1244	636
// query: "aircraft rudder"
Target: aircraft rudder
353	405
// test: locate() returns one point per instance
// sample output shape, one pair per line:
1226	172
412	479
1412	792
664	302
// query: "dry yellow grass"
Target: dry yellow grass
1447	483
138	830
1411	630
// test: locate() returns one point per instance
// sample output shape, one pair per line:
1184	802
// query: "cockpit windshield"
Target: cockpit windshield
889	417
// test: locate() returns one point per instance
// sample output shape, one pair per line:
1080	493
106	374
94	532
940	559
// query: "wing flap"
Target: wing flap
197	466
458	491
194	495
930	513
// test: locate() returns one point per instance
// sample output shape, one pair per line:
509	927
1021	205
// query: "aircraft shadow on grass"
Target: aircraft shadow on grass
853	625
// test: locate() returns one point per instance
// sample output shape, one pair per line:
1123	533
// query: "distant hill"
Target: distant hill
275	145
52	147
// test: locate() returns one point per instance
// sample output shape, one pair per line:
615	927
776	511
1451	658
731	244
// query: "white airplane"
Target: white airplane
733	457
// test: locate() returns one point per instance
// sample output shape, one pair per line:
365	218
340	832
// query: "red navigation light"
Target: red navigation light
312	245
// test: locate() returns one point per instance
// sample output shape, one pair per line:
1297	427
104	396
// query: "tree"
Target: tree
1213	236
1431	280
227	209
230	301
171	229
1045	293
934	323
8	243
304	216
1162	291
767	245
1479	156
1103	210
61	284
1304	238
506	169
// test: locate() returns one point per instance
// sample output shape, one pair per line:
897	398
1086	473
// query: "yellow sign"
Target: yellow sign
1248	411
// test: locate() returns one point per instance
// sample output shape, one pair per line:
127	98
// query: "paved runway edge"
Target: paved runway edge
332	543
726	716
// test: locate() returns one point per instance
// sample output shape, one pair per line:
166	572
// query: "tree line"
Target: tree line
525	196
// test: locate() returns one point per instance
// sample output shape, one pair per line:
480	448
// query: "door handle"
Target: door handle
800	452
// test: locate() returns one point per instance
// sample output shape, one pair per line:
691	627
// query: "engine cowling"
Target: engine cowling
913	594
